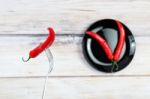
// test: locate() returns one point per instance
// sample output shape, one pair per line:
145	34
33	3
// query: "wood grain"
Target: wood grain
69	16
23	25
76	88
68	58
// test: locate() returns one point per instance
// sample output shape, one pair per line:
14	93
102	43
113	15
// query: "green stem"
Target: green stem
25	60
114	63
113	66
117	66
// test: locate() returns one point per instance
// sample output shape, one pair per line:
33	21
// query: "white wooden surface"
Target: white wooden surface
76	88
23	25
70	16
68	57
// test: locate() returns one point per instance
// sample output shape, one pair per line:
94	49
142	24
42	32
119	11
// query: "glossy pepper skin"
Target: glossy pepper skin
114	57
120	43
48	42
102	43
40	48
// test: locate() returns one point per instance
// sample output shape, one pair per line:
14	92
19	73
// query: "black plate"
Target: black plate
94	53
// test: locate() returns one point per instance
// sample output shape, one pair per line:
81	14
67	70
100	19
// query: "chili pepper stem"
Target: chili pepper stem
114	63
112	66
26	59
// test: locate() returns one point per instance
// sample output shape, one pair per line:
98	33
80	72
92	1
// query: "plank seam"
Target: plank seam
88	76
44	35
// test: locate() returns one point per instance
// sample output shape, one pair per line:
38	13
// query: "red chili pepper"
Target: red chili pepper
40	48
120	42
114	57
102	43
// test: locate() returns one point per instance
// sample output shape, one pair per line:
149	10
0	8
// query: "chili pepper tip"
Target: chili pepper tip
25	60
49	28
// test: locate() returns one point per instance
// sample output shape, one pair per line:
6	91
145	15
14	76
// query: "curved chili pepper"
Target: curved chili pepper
102	43
120	42
114	57
40	48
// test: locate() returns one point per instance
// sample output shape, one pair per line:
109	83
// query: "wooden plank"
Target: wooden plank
76	88
68	58
73	17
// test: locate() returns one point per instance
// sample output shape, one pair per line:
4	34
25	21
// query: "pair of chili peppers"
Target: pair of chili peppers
40	48
114	57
